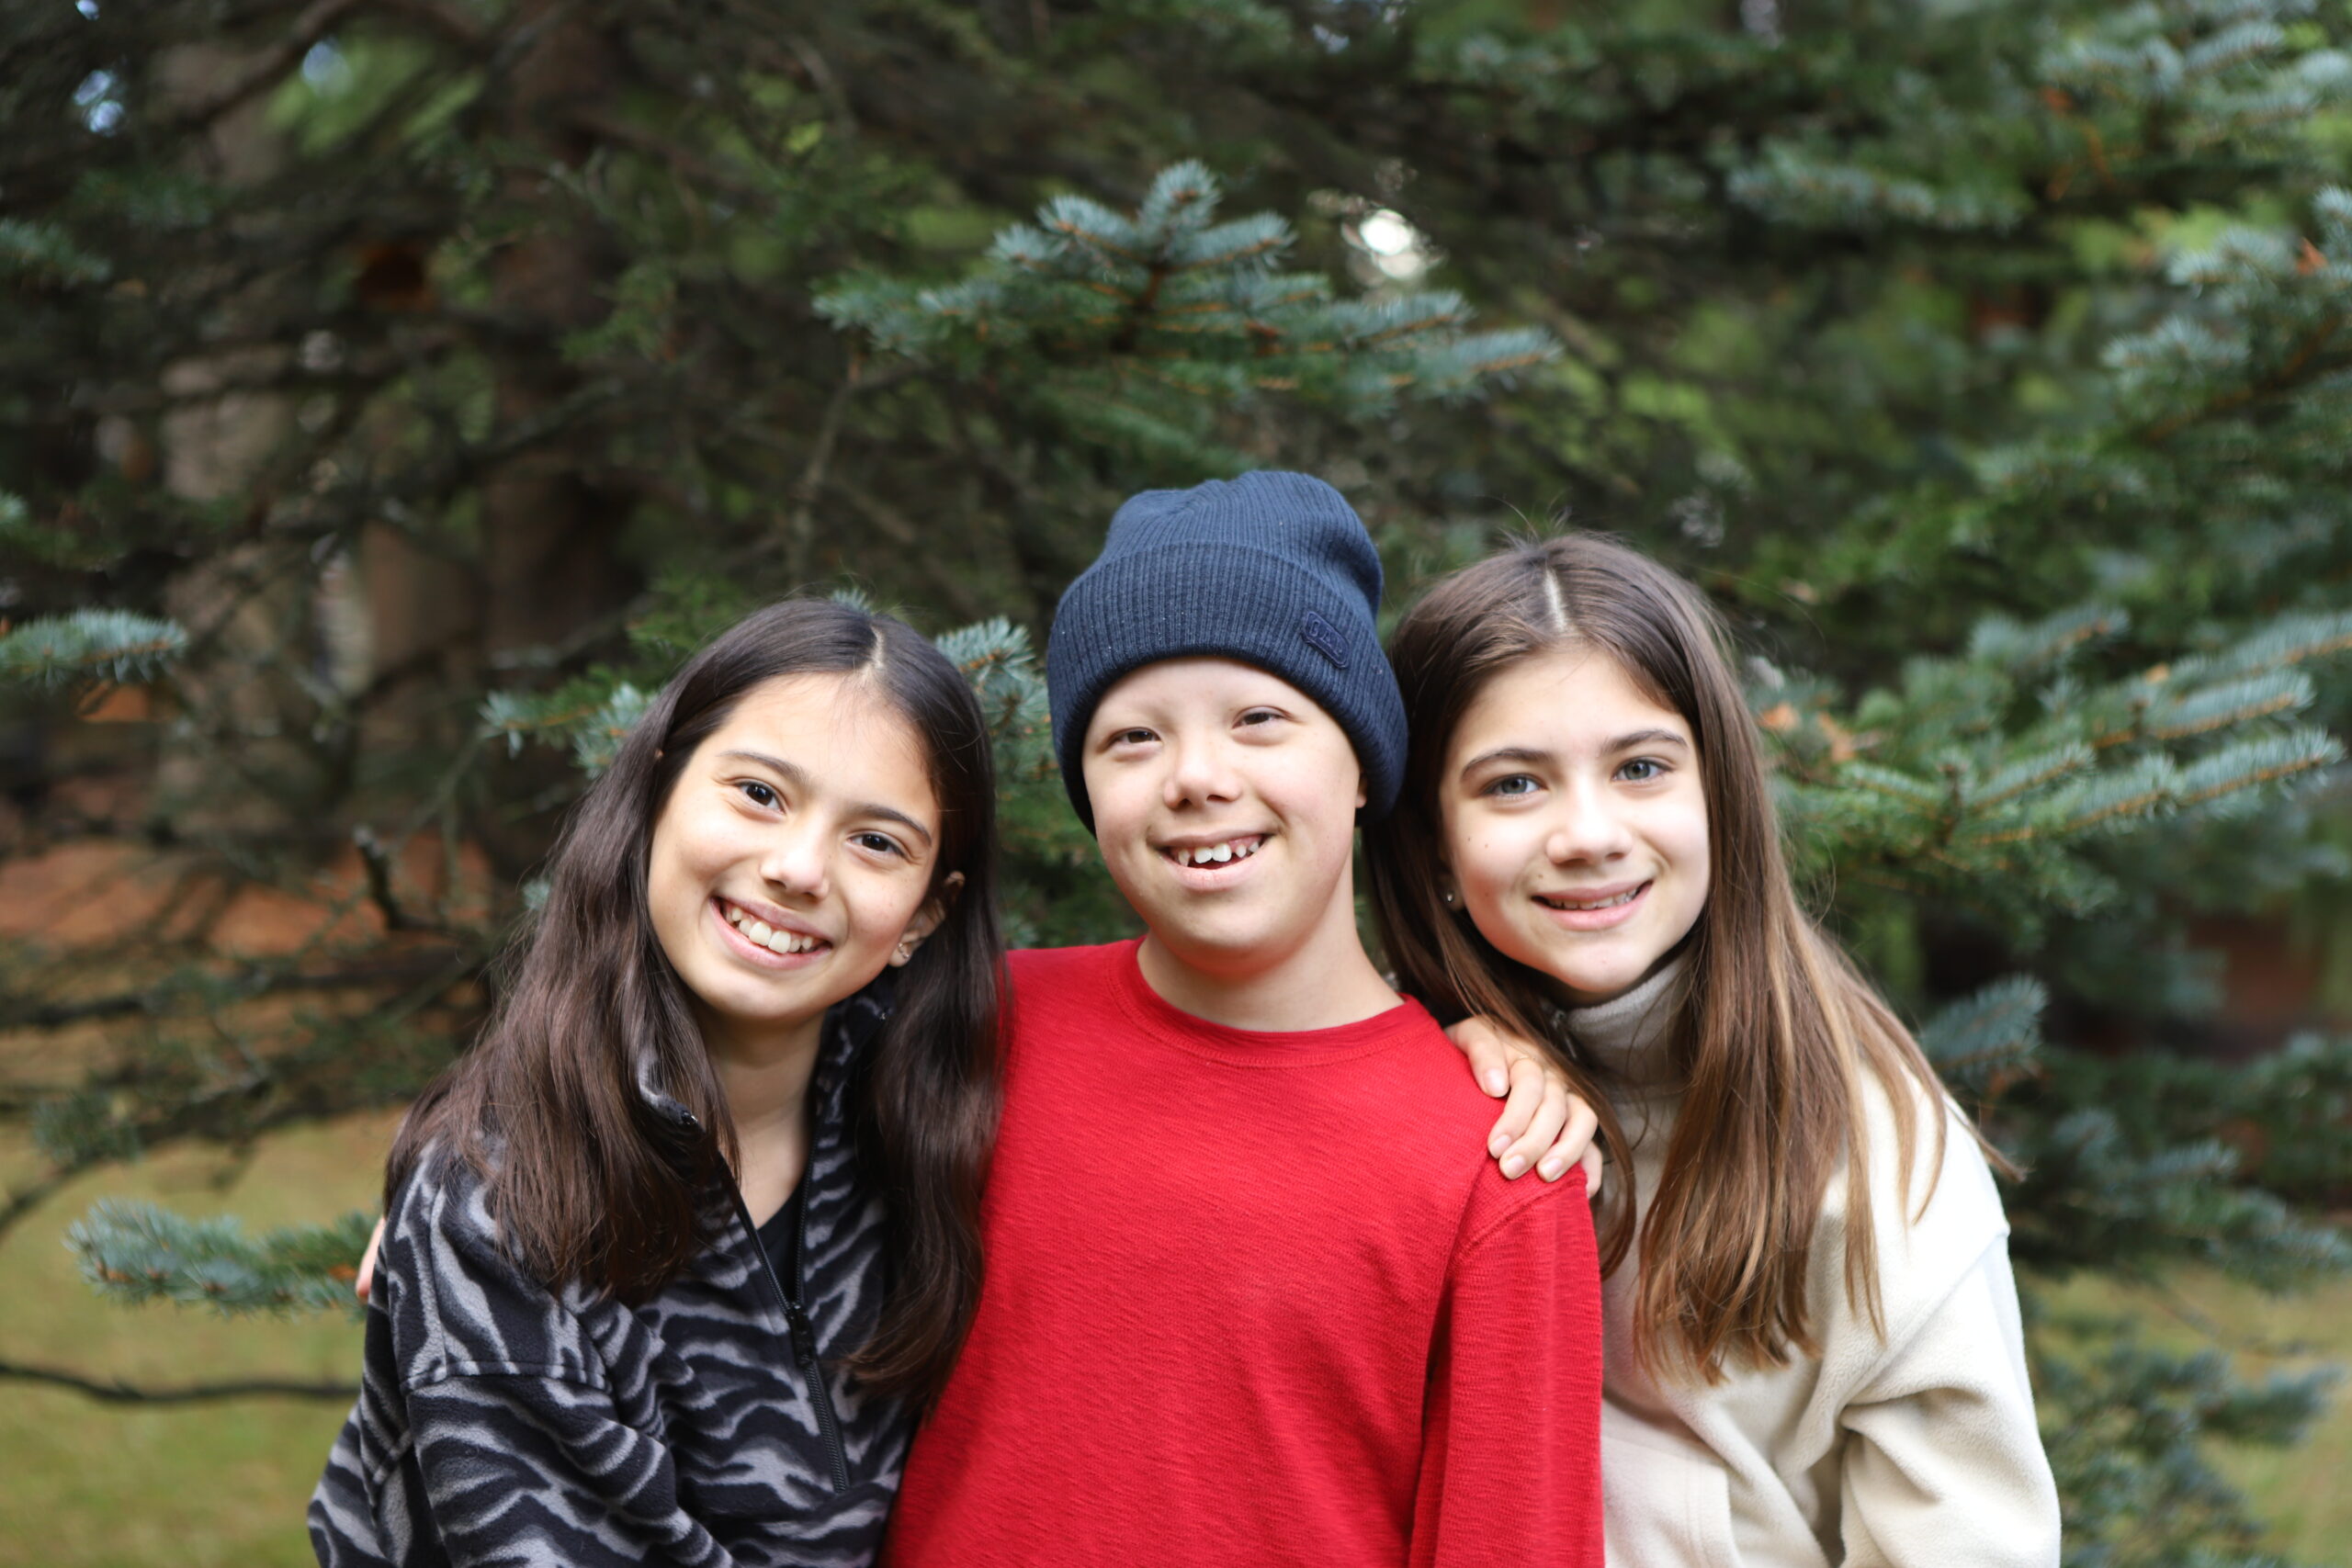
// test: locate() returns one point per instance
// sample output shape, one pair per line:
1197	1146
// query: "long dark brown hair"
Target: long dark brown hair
589	1184
1778	1028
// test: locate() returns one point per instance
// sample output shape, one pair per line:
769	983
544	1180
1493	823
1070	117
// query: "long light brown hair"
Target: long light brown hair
1778	1027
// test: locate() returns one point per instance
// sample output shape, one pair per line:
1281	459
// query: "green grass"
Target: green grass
91	1485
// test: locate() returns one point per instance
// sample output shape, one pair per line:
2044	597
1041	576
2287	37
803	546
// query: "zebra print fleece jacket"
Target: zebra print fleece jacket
500	1423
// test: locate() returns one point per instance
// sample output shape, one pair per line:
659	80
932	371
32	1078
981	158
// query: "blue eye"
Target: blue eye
1512	785
1641	770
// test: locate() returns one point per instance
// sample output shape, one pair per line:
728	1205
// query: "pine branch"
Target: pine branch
1984	1039
1165	299
135	1253
88	646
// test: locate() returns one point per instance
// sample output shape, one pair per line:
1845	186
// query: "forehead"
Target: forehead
1565	698
1174	686
844	731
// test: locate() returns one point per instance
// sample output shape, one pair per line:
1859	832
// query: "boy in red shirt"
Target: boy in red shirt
1212	1332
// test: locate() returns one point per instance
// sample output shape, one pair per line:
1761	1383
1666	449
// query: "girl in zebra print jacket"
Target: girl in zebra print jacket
629	1306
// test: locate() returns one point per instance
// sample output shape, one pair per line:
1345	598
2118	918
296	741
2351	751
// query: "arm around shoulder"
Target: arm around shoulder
1510	1457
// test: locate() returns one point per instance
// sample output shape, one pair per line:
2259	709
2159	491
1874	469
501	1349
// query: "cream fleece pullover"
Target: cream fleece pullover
1920	1449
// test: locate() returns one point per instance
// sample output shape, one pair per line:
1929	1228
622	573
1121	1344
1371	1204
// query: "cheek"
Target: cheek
1298	782
665	869
1112	794
691	852
881	906
683	850
1486	857
1682	834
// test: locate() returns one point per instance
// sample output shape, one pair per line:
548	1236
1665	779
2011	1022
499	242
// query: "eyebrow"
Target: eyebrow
798	777
1534	757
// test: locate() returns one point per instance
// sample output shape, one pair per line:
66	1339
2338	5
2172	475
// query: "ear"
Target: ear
927	919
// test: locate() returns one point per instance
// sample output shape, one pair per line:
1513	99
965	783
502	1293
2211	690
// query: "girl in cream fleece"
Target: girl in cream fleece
1813	1348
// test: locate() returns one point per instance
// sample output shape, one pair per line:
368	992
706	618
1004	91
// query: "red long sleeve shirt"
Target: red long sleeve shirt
1256	1299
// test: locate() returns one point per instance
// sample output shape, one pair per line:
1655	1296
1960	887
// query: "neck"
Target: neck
764	1074
1323	981
1631	1035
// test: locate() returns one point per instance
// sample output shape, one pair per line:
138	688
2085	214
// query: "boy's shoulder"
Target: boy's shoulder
1430	1085
1066	984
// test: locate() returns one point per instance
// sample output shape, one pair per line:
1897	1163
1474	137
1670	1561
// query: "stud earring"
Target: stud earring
1451	898
902	955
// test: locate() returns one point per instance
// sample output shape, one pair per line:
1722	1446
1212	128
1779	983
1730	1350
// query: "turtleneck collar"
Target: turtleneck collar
1628	1036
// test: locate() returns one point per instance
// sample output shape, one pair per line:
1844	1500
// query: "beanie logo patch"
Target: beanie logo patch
1325	638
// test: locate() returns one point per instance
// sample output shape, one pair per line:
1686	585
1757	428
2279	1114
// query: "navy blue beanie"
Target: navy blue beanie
1274	570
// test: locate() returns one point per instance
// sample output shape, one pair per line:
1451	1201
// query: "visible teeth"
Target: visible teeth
1217	854
776	939
1625	898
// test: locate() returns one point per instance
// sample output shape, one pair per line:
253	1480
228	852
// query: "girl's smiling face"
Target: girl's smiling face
1575	823
794	855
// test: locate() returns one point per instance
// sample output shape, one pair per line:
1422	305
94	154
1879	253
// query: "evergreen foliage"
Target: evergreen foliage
87	647
401	391
137	1252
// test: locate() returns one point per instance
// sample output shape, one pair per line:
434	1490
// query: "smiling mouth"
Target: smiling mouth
1222	852
1591	906
774	939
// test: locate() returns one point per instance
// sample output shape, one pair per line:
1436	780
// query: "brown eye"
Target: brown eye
760	795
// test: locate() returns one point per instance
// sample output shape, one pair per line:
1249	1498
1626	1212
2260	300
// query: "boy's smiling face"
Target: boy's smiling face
1225	802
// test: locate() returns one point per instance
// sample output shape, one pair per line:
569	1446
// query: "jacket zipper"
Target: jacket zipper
804	1335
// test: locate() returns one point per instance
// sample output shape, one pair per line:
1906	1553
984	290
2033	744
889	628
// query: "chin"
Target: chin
1205	941
1593	981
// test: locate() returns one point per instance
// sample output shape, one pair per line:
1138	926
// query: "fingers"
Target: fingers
1545	1125
367	1280
1546	1096
1489	1058
1525	1096
1574	1144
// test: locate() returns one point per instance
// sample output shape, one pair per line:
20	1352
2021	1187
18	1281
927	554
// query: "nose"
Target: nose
1200	771
797	858
1587	828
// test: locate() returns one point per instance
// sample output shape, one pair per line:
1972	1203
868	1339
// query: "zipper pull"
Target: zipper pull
804	1333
